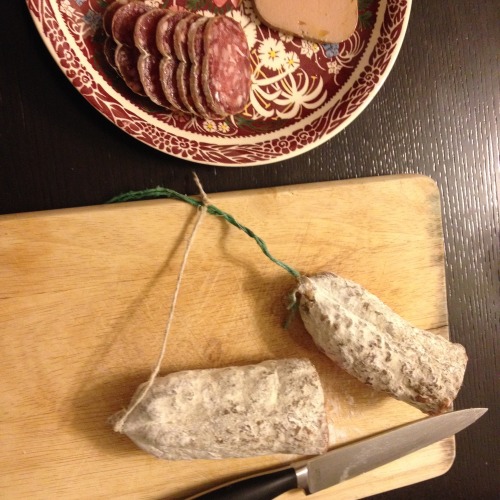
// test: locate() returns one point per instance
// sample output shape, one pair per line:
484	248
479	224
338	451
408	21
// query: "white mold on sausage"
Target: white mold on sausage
378	347
276	406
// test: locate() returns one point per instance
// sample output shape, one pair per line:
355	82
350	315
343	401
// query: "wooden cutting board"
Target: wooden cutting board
85	295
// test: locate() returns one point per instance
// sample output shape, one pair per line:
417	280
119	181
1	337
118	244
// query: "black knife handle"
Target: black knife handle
263	487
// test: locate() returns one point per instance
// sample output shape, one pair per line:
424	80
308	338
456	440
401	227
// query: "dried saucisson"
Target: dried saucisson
276	406
126	53
148	47
372	343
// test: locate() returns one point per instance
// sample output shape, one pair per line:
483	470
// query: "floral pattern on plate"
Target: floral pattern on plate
302	92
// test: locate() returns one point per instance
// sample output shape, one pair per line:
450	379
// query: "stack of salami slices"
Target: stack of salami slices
181	60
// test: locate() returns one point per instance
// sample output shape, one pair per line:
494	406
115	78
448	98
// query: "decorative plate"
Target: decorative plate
302	93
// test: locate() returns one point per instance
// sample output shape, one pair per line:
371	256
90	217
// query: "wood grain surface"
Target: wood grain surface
437	114
85	298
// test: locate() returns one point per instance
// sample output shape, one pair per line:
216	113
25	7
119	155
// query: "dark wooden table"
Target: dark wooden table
437	114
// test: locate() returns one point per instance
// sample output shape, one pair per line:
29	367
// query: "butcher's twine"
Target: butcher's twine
161	192
202	210
204	206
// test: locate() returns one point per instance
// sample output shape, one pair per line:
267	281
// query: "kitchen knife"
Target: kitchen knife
347	461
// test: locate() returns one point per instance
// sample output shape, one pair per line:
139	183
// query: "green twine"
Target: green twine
161	192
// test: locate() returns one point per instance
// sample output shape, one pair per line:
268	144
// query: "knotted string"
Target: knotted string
161	192
202	210
203	206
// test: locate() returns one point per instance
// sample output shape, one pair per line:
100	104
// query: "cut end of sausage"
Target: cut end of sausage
145	31
123	22
204	72
149	74
196	54
166	31
126	59
226	66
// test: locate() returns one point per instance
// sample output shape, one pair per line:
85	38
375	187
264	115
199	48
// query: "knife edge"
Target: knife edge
346	461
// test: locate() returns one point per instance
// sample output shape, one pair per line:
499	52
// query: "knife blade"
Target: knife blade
347	461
